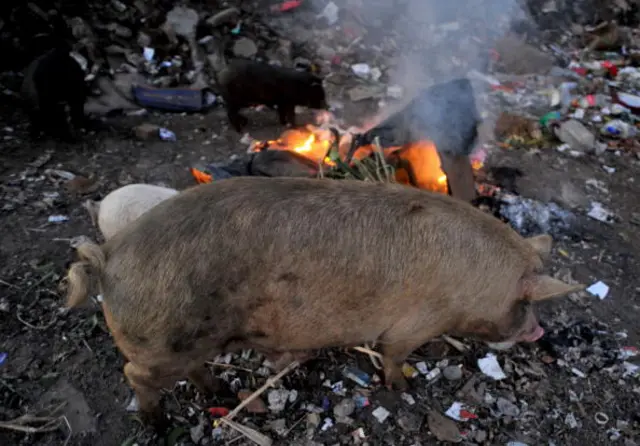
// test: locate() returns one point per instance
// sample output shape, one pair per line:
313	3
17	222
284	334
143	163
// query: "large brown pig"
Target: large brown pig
292	265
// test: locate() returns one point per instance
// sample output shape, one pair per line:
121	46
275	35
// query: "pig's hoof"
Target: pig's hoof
155	421
401	384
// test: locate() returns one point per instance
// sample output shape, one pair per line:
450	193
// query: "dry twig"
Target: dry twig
24	423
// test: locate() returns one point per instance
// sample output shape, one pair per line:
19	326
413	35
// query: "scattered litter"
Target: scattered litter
326	424
408	371
358	376
133	405
490	366
601	418
433	374
330	12
599	289
600	213
507	408
407	398
218	412
516	443
361	401
278	399
570	420
57	218
630	369
458	412
167	135
628	352
578	373
3	357
422	367
452	372
362	70
529	217
381	414
148	54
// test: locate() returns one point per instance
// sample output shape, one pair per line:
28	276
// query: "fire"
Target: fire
312	142
417	163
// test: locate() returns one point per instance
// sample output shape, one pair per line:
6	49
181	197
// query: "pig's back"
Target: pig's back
293	253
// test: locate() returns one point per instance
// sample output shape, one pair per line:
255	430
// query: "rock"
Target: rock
443	428
245	47
279	426
146	131
452	373
325	52
255	406
409	422
183	21
481	436
76	409
507	408
344	408
227	16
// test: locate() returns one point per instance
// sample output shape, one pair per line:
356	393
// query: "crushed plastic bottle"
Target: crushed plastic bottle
576	135
619	129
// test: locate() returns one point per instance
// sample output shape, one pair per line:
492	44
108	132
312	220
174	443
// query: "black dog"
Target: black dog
53	81
246	83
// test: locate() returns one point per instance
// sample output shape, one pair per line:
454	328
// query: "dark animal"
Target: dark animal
292	265
246	83
52	82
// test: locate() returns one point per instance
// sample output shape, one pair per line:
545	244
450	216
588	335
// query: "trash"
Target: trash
618	129
628	352
407	398
443	428
516	443
490	366
57	218
3	357
578	373
174	99
133	405
575	134
422	367
218	412
362	92
286	6
598	212
278	399
361	401
458	412
453	372
226	16
395	91
362	70
601	418
148	54
433	374
330	13
570	420
358	376
599	289
630	369
381	414
327	424
533	217
166	134
408	371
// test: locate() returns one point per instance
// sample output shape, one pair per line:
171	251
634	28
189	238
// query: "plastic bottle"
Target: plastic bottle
618	129
576	135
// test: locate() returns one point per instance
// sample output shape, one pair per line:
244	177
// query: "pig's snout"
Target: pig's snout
531	331
532	336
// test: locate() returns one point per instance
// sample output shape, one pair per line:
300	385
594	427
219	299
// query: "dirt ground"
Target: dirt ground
54	355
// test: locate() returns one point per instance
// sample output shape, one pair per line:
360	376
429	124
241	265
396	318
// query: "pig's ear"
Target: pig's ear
541	244
543	287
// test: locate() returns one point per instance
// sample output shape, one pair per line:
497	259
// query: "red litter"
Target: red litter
286	6
218	412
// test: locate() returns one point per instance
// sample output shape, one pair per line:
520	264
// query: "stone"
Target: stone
255	406
344	408
245	47
183	21
146	131
409	422
452	373
227	16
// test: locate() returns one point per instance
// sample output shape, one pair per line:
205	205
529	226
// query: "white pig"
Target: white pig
123	205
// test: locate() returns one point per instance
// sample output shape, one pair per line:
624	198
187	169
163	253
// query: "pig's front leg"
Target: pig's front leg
397	344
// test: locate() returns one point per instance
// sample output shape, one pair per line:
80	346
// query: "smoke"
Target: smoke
422	43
